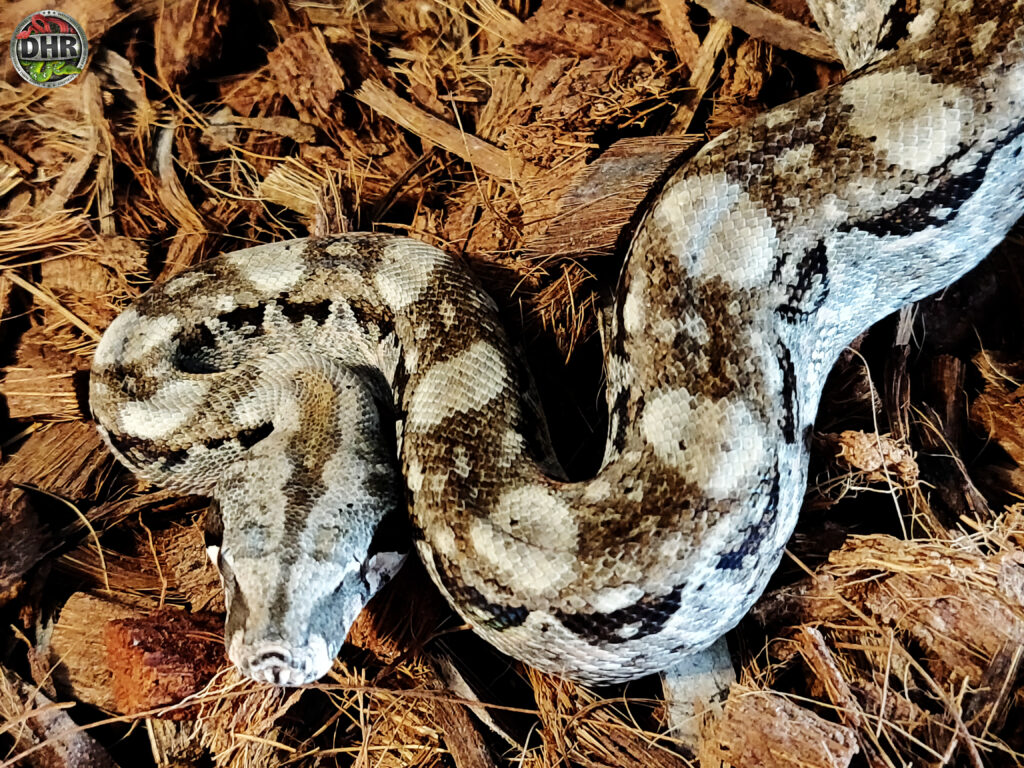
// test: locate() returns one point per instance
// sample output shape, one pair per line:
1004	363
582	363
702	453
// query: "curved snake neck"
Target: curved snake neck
273	378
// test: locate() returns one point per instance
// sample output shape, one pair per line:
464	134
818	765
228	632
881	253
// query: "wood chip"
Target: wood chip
823	665
159	658
43	734
701	72
78	649
999	410
187	34
772	28
308	76
760	729
605	196
878	458
477	152
674	17
66	459
22	540
44	381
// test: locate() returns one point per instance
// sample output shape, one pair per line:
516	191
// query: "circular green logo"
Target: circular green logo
49	49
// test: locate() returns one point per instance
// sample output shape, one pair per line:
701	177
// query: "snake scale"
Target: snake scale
277	379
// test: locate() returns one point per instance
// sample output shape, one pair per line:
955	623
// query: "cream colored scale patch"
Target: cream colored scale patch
721	232
465	383
932	127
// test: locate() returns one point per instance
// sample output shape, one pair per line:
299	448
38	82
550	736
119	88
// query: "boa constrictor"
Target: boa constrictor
276	379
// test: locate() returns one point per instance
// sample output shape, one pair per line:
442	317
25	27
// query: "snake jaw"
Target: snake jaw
266	652
290	640
281	653
278	664
297	572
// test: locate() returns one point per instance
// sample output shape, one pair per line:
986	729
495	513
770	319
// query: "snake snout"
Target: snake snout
280	666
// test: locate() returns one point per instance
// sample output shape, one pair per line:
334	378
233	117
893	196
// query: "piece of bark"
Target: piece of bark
702	71
67	459
999	409
813	600
949	600
760	729
82	286
78	649
42	381
742	77
188	33
461	736
772	28
819	659
120	573
181	551
604	197
588	68
163	503
588	28
449	670
488	158
23	540
946	394
158	659
674	19
308	76
44	736
963	607
875	458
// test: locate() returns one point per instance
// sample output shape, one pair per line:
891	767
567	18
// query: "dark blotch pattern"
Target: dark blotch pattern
249	437
143	451
193	350
296	312
751	544
810	288
788	419
245	320
494	616
949	193
649	615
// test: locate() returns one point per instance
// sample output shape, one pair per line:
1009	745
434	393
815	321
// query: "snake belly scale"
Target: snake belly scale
276	379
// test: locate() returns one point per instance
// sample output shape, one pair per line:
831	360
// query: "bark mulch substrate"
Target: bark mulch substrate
891	636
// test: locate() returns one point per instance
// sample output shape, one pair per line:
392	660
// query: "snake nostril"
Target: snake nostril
279	666
273	665
276	658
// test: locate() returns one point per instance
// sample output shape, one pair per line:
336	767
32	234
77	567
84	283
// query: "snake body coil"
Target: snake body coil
272	379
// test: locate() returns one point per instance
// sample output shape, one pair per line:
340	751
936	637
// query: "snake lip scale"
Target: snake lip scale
278	379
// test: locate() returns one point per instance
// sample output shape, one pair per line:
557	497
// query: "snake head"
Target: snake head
312	523
289	610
